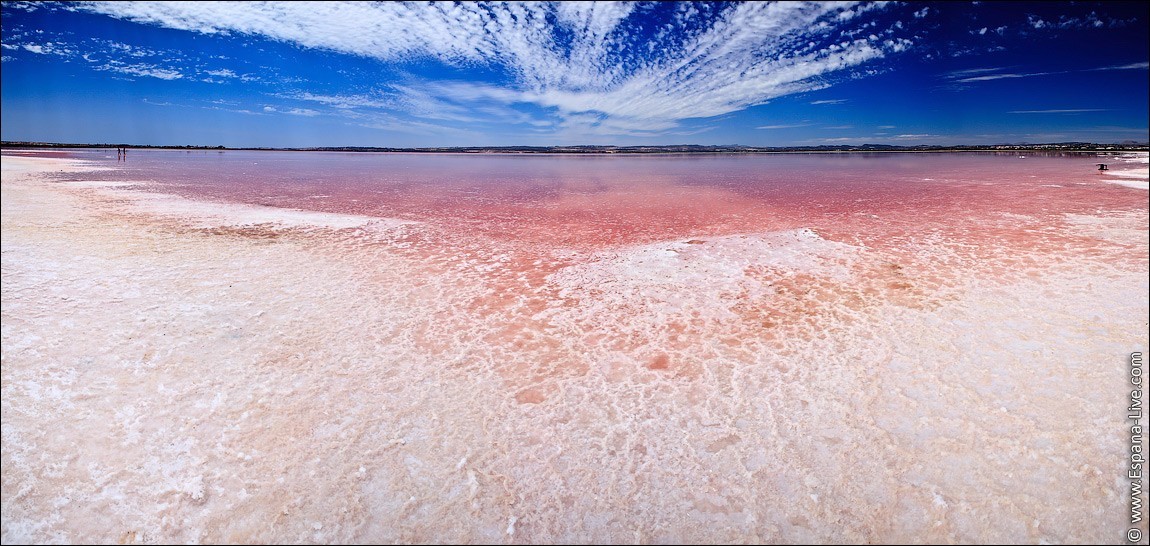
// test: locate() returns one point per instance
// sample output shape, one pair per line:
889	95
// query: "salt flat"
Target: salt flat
174	371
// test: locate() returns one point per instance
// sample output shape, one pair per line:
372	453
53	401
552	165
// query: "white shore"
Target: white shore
1133	172
172	376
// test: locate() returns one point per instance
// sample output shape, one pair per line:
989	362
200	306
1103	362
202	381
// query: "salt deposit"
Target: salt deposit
184	370
1133	171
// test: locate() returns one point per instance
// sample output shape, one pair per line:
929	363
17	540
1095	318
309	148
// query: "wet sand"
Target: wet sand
181	370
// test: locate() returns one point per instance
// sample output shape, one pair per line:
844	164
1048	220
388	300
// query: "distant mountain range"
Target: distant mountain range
669	149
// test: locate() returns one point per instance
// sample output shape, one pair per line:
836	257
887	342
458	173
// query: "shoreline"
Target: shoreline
1136	177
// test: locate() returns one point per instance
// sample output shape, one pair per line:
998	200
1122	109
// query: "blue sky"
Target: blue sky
461	74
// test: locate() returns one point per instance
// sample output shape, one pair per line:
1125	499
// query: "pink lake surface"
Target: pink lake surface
488	348
533	204
597	201
983	206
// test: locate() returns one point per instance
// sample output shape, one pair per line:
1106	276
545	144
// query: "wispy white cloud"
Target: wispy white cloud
345	101
113	47
1059	111
973	75
129	60
292	111
881	138
1129	66
829	101
1001	31
971	72
578	60
235	110
301	112
222	73
1091	20
1001	76
788	126
385	121
44	48
145	70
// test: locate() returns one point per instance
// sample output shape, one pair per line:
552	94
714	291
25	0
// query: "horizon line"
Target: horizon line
605	147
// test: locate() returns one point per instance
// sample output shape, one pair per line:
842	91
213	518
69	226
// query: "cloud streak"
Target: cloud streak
291	111
973	75
1001	76
580	61
1130	66
790	126
1061	111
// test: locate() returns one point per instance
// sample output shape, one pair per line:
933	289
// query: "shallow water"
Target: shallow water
331	347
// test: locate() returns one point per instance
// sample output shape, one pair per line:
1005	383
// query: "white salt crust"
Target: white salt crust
1134	173
163	382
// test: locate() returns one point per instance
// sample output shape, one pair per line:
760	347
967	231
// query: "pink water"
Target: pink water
609	200
988	206
596	202
782	348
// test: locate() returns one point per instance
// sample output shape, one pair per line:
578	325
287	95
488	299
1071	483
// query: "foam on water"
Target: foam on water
945	365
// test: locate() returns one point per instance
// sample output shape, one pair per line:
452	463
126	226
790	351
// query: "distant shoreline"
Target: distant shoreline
626	150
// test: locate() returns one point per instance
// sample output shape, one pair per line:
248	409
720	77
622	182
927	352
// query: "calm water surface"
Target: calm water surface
611	200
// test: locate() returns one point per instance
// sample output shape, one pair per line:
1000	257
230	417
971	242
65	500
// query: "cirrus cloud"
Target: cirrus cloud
579	60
